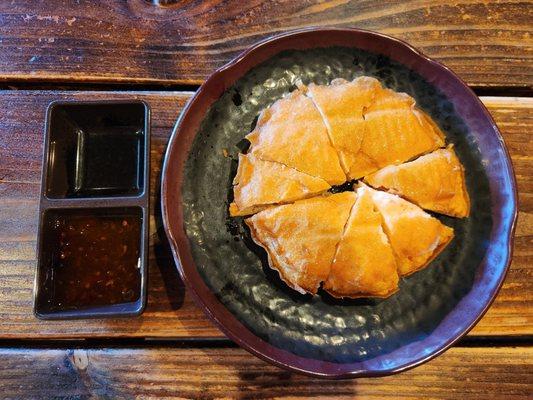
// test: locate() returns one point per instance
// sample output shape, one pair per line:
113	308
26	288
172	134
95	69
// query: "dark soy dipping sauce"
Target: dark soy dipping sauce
95	261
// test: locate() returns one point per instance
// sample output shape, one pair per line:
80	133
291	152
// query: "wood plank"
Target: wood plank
512	311
171	311
465	373
486	43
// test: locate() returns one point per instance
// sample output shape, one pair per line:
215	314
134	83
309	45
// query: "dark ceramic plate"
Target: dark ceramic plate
228	273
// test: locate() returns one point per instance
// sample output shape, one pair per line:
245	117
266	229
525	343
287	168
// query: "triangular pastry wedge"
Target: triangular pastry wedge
357	244
434	181
364	264
416	237
371	126
393	136
300	238
292	132
341	104
383	100
259	184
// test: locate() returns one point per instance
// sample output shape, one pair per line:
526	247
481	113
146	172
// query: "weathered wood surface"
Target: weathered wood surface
171	311
460	373
486	43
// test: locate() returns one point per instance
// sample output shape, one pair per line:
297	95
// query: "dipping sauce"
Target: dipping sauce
95	261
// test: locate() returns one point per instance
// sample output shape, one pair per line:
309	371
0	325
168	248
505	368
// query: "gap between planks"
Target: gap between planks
217	342
498	91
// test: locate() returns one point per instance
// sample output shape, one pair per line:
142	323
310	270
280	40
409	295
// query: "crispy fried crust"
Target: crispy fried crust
293	133
356	245
259	184
434	181
364	263
301	238
416	237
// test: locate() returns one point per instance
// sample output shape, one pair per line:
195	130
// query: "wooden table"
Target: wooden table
124	50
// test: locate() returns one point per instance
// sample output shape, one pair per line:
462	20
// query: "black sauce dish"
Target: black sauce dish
92	248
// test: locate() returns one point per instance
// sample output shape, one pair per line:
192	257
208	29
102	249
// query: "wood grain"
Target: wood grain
486	43
512	311
171	311
460	373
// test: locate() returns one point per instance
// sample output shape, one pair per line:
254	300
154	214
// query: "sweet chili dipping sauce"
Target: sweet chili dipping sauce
96	261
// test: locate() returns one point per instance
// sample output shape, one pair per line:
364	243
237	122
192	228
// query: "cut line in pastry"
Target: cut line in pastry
259	184
433	181
354	244
292	132
415	236
364	264
300	238
371	126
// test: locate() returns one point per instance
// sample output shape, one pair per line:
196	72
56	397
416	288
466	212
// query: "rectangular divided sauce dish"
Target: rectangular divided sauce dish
92	248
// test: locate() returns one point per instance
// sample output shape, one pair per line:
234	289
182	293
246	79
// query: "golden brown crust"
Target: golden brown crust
371	126
364	263
235	211
434	181
382	295
416	237
301	238
293	133
436	131
341	105
447	236
387	99
392	137
272	261
259	184
357	245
